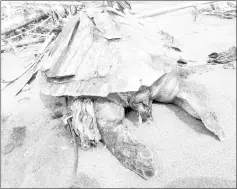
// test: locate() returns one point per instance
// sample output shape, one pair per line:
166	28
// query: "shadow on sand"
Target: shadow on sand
201	182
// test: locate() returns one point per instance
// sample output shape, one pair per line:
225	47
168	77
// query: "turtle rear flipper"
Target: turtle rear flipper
197	109
168	89
132	154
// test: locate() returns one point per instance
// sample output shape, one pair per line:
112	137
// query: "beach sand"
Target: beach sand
185	153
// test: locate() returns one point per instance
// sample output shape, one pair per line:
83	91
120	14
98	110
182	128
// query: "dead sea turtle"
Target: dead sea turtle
103	63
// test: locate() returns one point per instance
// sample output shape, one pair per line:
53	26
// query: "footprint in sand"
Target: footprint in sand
84	181
16	139
202	182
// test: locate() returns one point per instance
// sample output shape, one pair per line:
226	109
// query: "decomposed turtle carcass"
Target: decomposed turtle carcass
104	63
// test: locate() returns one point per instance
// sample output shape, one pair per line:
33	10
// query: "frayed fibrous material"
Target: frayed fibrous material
84	122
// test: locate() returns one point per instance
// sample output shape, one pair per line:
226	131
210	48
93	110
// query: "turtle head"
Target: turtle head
141	102
144	113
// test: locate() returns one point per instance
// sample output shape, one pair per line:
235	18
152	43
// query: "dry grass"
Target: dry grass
17	12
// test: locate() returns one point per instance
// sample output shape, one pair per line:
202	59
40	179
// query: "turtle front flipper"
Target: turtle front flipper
191	104
132	154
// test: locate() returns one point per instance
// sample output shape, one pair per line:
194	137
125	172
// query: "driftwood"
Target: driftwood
30	72
14	26
222	10
22	43
169	10
9	46
223	57
48	2
28	32
22	74
34	67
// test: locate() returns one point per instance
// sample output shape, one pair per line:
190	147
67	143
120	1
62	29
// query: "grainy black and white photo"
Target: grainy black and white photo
118	94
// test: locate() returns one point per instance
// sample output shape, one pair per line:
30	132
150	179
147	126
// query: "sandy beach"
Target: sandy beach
185	153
